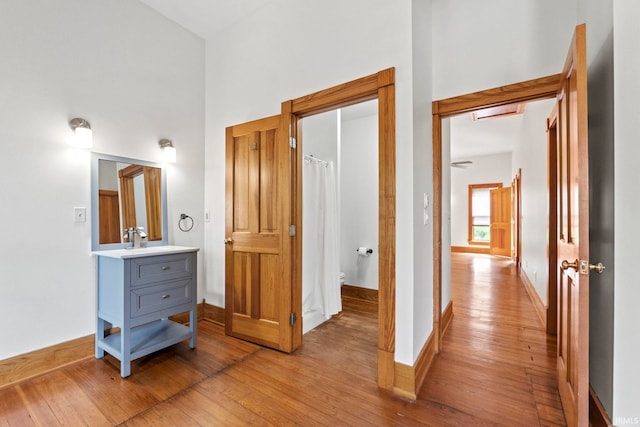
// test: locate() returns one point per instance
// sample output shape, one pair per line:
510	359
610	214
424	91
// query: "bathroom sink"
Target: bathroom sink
140	252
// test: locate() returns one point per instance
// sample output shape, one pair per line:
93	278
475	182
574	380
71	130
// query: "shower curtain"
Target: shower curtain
320	265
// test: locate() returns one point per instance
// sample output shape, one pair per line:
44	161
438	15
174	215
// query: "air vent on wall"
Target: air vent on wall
461	164
501	111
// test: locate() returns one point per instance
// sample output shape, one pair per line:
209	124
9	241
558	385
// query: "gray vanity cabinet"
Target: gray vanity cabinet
138	290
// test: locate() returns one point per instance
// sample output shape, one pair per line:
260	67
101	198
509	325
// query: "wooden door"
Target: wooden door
500	243
573	235
109	214
516	227
258	293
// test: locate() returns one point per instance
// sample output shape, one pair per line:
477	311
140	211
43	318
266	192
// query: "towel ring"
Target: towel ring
185	223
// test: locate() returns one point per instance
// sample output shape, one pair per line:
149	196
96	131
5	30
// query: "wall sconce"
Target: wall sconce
83	135
168	150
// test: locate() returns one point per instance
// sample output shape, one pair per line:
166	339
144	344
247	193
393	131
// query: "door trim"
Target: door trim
530	90
379	86
552	248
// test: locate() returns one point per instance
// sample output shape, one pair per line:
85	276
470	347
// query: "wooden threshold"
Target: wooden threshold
470	249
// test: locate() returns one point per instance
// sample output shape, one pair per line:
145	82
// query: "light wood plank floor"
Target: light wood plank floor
497	363
496	368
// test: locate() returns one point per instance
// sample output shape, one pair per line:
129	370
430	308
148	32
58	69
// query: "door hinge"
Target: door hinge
292	319
292	142
292	230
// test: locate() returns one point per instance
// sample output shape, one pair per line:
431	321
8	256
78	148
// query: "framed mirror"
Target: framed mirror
126	193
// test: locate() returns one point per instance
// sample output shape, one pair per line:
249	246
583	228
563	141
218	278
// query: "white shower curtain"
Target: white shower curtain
320	264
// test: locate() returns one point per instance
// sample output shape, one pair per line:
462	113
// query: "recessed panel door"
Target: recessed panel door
573	235
258	255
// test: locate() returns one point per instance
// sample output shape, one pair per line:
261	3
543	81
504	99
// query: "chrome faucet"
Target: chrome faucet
134	235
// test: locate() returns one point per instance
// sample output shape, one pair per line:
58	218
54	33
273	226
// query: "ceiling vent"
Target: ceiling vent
501	111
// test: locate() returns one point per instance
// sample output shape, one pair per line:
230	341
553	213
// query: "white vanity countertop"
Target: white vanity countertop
140	252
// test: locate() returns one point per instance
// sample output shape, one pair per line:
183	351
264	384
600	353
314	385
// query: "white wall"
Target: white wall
320	136
626	339
359	200
422	180
136	77
530	155
484	169
483	44
358	186
289	49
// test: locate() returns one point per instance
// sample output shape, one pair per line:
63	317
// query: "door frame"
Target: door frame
380	86
530	90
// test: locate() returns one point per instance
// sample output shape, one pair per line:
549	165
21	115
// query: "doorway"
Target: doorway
380	86
537	89
340	208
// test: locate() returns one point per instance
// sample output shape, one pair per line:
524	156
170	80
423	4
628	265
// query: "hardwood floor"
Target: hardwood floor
497	364
496	368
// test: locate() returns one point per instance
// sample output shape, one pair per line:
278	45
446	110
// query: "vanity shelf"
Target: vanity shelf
147	338
138	290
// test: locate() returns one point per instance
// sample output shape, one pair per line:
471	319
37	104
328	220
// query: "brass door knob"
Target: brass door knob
598	268
567	265
228	241
584	266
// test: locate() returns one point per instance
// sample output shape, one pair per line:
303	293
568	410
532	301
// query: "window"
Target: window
480	213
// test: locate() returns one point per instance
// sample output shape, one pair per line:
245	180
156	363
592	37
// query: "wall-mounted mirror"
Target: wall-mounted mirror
126	193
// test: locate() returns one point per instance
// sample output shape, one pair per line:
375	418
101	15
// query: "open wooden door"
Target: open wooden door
500	219
516	225
573	235
258	285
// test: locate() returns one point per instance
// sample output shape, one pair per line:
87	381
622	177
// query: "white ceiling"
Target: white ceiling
483	137
205	17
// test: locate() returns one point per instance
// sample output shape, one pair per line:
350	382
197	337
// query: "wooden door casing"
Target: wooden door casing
573	234
258	277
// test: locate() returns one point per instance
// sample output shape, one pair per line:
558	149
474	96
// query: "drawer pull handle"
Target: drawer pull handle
165	296
166	267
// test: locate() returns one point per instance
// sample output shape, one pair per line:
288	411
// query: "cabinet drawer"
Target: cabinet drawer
160	297
158	268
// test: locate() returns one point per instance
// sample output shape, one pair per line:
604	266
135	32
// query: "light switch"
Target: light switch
207	218
80	214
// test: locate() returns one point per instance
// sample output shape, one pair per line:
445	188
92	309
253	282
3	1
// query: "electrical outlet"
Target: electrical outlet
80	214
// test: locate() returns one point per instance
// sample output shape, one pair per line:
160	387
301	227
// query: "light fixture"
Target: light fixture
83	135
168	150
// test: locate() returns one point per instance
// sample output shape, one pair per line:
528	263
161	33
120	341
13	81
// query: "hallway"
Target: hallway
497	364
